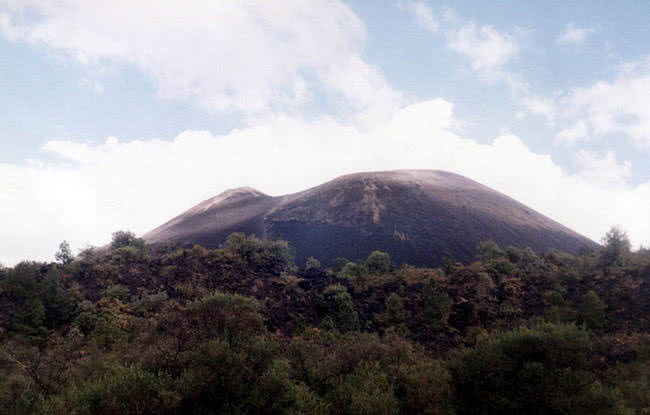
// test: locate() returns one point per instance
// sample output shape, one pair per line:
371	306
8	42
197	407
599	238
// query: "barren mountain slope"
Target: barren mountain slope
417	215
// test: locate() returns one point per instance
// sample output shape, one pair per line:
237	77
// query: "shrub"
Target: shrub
488	251
539	370
273	256
378	262
341	308
436	305
122	239
125	391
593	311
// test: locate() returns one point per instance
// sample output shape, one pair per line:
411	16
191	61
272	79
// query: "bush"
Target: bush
593	311
366	391
341	308
272	256
378	262
436	305
64	254
232	317
488	251
540	370
123	239
424	387
616	247
312	264
124	391
353	270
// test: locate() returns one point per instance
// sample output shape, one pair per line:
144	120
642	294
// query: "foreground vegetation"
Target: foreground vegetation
131	329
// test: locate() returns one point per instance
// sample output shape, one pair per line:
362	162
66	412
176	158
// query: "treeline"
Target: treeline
135	329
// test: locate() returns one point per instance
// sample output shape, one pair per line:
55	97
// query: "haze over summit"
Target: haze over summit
544	104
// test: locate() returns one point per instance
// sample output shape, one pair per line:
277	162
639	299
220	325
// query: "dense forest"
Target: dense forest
137	329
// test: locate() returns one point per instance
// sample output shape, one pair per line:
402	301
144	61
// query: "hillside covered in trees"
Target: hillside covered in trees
135	329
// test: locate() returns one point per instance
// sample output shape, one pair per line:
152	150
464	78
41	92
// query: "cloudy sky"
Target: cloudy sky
121	114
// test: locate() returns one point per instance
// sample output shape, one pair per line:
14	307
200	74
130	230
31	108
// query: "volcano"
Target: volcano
418	216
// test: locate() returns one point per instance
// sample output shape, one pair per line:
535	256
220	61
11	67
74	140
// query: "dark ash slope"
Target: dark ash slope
418	216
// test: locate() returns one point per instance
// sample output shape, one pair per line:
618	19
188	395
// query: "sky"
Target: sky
120	115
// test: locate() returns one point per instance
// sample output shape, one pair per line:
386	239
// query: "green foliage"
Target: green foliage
37	302
352	270
127	254
312	264
448	264
378	262
435	304
232	317
488	251
18	395
119	292
539	370
514	254
339	263
616	247
87	318
272	256
123	239
125	391
365	391
349	270
64	254
396	314
151	303
341	308
131	330
593	311
424	387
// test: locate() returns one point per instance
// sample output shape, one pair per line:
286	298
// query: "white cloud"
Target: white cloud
603	171
573	134
253	56
423	14
621	106
574	34
541	106
98	188
488	49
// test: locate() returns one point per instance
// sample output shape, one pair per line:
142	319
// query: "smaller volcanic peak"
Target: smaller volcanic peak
211	221
418	216
227	198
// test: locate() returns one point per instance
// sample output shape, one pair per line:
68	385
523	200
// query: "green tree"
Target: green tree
272	256
378	262
436	305
339	263
341	308
64	254
122	239
353	270
448	264
541	370
312	264
488	251
366	391
424	387
593	311
232	317
616	246
396	313
124	391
